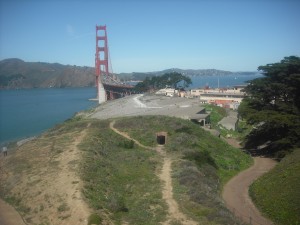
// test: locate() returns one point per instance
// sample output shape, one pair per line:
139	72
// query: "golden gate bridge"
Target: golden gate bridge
109	87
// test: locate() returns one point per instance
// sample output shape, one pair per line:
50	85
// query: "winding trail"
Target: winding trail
236	192
174	214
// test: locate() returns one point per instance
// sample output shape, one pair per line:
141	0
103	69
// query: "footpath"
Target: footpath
8	215
236	191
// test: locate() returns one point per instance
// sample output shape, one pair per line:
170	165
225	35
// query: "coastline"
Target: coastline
18	141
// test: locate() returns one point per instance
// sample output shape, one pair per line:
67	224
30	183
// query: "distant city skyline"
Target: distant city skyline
152	35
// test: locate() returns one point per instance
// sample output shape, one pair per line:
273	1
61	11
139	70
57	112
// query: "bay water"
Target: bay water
223	81
29	112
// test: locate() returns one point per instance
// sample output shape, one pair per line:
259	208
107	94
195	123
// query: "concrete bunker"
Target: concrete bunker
161	137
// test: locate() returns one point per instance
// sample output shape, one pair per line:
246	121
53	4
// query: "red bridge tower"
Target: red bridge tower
101	61
108	86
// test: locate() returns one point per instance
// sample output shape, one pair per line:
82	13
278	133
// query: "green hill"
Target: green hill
119	179
202	163
277	192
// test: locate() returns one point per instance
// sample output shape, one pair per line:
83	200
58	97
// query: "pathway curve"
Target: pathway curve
174	214
236	191
8	215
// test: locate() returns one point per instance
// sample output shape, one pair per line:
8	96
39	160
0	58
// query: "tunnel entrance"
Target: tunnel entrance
161	138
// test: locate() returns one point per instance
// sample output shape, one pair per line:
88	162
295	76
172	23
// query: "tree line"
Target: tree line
173	79
272	107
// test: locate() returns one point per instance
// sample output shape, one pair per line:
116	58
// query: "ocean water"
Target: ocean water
25	113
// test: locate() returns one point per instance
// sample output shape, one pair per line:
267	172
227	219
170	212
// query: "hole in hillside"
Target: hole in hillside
161	138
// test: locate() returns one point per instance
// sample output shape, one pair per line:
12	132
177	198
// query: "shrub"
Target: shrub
200	158
128	144
94	219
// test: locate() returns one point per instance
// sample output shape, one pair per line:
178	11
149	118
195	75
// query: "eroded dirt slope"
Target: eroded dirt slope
41	178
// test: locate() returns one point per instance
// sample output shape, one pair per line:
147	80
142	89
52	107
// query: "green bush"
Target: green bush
200	158
94	219
128	144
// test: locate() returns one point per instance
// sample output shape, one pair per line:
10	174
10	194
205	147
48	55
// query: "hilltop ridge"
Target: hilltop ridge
16	74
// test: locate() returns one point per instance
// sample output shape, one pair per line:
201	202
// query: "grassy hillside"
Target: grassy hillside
277	192
203	164
119	179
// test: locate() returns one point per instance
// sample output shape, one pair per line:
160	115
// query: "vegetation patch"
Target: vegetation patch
277	192
216	114
120	178
189	140
204	163
94	219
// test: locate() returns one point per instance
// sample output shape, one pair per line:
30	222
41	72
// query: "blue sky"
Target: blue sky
151	35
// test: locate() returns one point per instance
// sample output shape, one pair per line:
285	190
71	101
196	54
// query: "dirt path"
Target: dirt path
111	125
69	180
236	191
236	196
8	215
174	214
51	187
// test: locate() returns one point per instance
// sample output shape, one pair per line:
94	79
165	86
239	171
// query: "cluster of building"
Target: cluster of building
223	97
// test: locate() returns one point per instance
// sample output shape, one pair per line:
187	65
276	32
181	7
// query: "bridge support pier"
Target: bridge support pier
101	93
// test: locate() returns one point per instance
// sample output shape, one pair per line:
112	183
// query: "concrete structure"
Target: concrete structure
230	122
194	113
223	97
161	137
170	92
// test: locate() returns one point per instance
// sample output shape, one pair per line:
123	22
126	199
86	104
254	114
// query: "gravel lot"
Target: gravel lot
135	105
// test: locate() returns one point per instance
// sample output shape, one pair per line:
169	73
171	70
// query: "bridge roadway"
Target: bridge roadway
117	90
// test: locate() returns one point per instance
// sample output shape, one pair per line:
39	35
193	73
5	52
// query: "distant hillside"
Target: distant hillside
187	72
15	73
